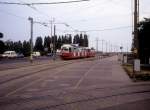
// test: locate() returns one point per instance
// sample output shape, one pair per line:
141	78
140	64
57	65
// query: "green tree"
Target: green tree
18	47
76	39
9	45
81	40
144	39
47	42
39	44
1	35
70	39
2	45
26	48
86	41
63	39
66	39
59	43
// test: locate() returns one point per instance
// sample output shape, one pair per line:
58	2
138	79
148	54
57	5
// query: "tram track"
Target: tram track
26	65
23	65
93	99
74	101
18	65
35	72
26	68
15	84
46	97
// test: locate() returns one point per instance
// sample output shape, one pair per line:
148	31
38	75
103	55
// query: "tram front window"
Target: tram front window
65	49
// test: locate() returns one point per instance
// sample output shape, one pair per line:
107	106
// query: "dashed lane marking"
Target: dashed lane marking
82	78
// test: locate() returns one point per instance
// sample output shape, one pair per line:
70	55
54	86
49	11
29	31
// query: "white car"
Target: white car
36	54
9	54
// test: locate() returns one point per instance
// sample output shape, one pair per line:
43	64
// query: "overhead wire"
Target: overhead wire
105	29
42	13
35	9
109	29
22	18
29	5
92	5
42	3
12	14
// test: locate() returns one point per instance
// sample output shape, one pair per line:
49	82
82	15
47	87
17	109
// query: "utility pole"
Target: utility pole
136	63
97	44
102	45
31	39
106	46
111	48
51	22
54	43
51	43
136	18
54	38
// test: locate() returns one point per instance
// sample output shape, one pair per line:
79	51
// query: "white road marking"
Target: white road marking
81	80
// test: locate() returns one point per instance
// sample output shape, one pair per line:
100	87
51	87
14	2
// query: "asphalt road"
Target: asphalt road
21	62
24	59
72	85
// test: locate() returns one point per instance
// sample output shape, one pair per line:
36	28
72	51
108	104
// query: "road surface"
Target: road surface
72	85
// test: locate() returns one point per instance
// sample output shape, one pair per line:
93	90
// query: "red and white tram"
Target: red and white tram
72	51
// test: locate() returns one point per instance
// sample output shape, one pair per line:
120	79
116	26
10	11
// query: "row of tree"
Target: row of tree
44	45
2	45
144	40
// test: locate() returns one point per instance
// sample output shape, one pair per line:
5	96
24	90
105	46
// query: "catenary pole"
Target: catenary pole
54	43
31	39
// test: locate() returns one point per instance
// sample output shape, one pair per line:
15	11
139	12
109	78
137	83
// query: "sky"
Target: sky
112	19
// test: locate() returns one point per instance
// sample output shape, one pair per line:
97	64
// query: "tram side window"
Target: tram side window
65	49
69	49
75	49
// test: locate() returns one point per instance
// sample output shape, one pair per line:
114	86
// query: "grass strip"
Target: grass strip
143	75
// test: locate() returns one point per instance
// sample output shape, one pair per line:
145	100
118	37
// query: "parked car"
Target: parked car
9	54
49	54
20	55
36	54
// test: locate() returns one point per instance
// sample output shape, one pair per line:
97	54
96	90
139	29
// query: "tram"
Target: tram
73	51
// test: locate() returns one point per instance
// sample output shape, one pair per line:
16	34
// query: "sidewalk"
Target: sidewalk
118	73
